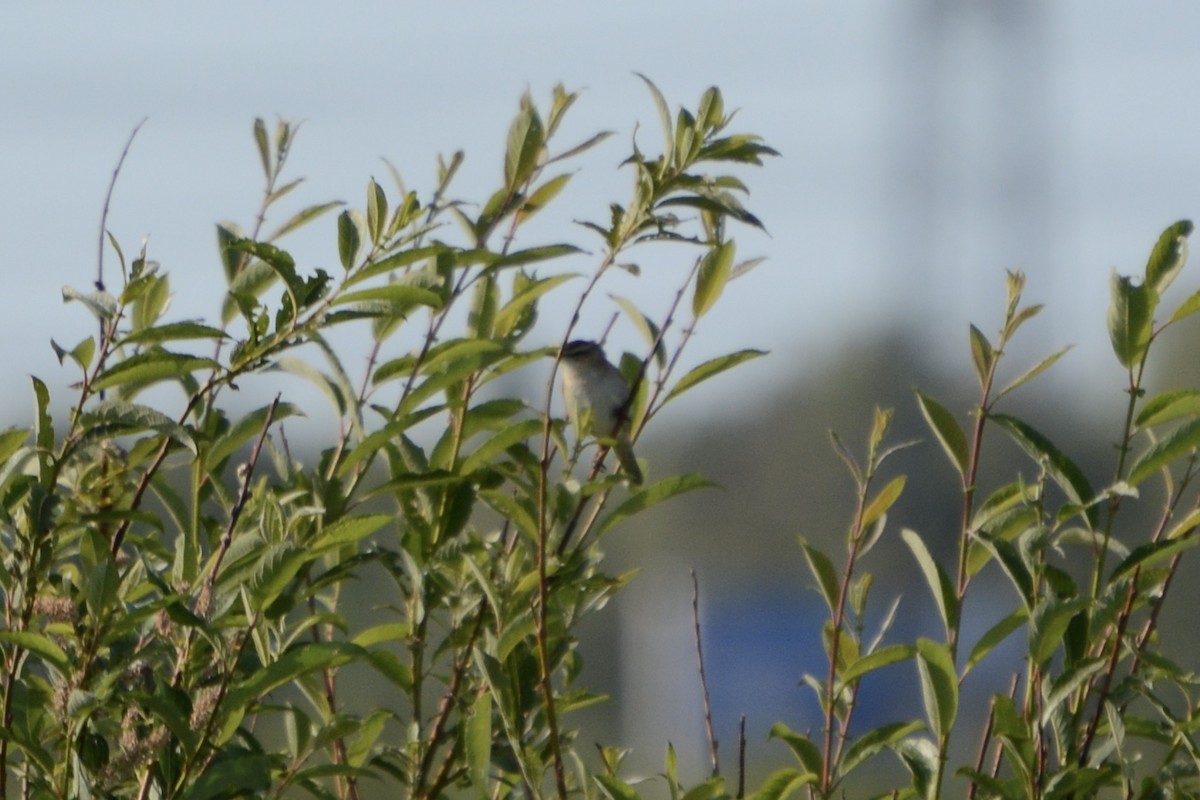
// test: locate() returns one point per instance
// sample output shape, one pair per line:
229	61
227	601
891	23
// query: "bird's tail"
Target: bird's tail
628	460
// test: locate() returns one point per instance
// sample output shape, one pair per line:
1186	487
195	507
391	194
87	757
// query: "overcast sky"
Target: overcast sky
928	146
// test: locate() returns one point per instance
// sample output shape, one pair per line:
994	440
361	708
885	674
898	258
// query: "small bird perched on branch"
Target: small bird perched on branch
597	400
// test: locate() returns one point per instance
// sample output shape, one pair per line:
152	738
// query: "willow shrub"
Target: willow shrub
173	575
1098	706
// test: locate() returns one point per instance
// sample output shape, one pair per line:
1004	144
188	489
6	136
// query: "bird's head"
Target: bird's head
582	351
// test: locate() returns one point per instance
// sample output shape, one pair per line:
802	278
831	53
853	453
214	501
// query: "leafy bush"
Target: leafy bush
1099	703
173	575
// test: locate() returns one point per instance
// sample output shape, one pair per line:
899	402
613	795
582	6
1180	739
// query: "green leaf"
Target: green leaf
616	788
532	255
280	262
1064	686
939	685
1130	319
516	309
174	331
485	297
710	114
119	416
276	569
489	450
982	354
664	116
1062	470
405	258
1151	553
1186	308
400	295
302	218
802	747
1011	562
41	646
43	432
711	789
377	211
1048	626
741	148
389	665
645	326
947	430
994	635
512	510
883	657
783	783
148	296
653	495
349	239
349	530
479	744
1168	255
1185	526
363	742
540	197
1169	406
1034	371
303	659
712	277
526	138
875	740
81	354
671	769
935	577
102	304
822	569
248	426
1180	443
710	368
264	146
384	632
233	773
879	506
254	279
12	440
150	367
582	147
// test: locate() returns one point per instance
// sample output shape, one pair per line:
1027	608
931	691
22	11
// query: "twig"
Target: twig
546	679
247	476
112	184
447	704
708	724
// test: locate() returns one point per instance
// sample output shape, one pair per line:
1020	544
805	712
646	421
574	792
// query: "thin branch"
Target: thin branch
447	704
112	184
708	723
235	513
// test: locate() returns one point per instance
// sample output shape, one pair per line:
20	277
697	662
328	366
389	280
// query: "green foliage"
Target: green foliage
174	575
175	579
1097	704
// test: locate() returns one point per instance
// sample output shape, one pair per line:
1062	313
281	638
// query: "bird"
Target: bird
597	400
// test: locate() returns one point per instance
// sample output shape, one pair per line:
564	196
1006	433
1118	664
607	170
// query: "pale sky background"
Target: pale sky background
927	147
